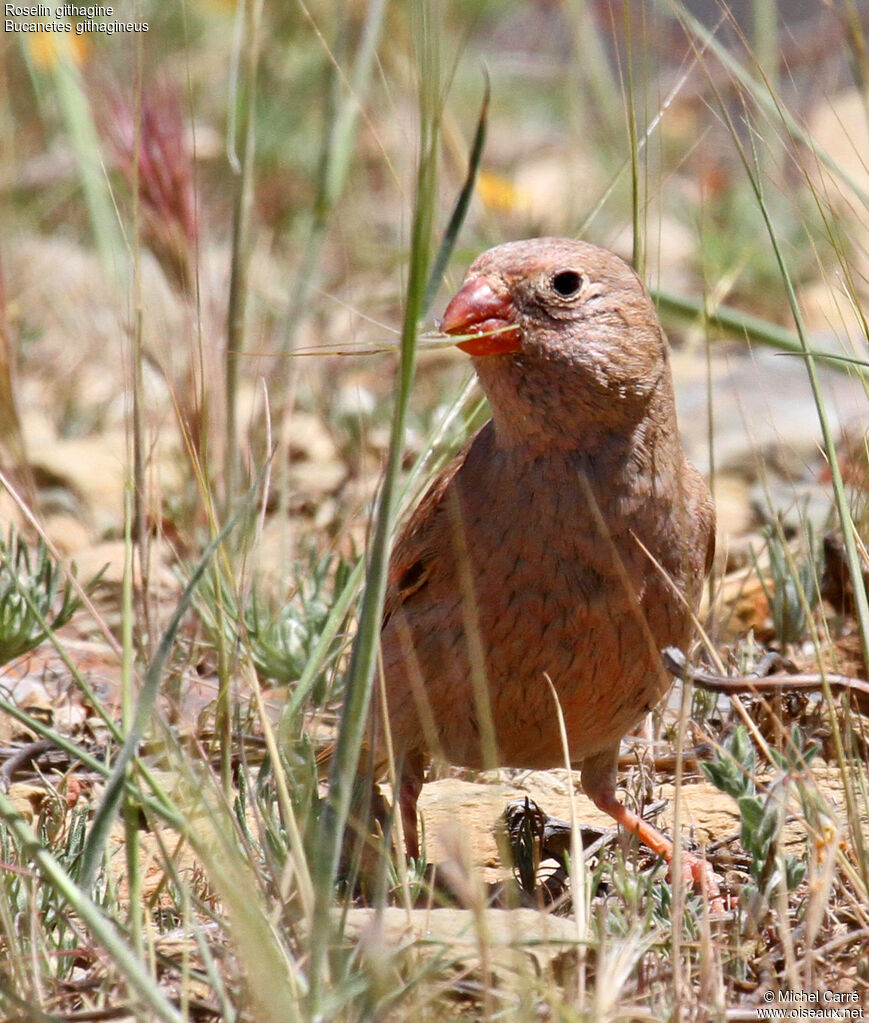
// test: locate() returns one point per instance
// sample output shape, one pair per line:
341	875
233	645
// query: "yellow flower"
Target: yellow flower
498	193
47	48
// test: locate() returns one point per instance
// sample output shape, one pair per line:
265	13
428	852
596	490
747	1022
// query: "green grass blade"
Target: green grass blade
638	257
240	258
460	210
78	120
746	326
363	658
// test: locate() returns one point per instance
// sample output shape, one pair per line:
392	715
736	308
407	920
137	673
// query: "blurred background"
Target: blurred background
192	205
207	237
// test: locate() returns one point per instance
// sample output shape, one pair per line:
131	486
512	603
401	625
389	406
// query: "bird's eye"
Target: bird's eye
567	283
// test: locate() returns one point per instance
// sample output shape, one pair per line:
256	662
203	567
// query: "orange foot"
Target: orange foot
702	877
694	870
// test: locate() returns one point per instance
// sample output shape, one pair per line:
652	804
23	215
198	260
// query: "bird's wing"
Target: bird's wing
703	511
414	553
412	558
710	550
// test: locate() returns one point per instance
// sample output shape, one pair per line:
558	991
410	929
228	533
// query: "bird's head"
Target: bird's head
560	330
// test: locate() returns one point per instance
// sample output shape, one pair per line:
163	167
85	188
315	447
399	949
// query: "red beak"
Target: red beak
490	317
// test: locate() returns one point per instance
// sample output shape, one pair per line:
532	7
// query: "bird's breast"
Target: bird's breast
541	577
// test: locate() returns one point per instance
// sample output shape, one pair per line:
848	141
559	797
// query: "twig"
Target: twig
26	755
676	663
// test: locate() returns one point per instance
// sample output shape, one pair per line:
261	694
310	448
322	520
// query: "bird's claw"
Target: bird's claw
699	875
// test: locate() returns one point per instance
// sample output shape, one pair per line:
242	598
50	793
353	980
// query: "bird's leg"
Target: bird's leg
694	869
409	788
598	782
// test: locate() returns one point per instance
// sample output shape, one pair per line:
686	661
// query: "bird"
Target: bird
561	550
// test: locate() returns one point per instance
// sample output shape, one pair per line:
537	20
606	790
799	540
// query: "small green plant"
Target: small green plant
794	590
762	816
35	596
281	641
24	895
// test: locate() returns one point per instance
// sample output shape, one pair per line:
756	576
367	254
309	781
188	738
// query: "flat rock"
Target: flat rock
516	940
461	817
761	403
